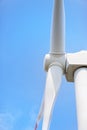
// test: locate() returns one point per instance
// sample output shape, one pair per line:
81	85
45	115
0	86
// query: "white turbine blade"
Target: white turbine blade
58	28
80	78
53	82
40	114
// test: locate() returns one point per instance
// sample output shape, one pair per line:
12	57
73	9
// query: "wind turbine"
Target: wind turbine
57	63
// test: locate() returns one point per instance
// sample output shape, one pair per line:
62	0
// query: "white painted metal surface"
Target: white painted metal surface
53	83
80	78
51	59
73	62
56	64
58	28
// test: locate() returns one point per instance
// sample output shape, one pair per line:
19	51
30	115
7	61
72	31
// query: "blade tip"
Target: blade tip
36	127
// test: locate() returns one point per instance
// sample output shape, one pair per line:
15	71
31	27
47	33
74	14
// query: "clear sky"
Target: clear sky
24	40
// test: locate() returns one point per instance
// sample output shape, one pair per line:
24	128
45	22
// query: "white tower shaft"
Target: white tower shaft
80	78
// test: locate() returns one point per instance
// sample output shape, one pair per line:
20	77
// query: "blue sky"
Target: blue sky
24	40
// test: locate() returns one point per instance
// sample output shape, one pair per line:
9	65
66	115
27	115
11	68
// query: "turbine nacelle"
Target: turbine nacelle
75	61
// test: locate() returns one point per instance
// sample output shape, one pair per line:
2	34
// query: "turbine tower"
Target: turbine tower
58	63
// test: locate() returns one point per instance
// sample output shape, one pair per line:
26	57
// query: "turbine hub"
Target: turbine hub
55	59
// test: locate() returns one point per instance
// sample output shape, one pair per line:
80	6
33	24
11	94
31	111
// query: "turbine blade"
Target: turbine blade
58	28
53	82
40	114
